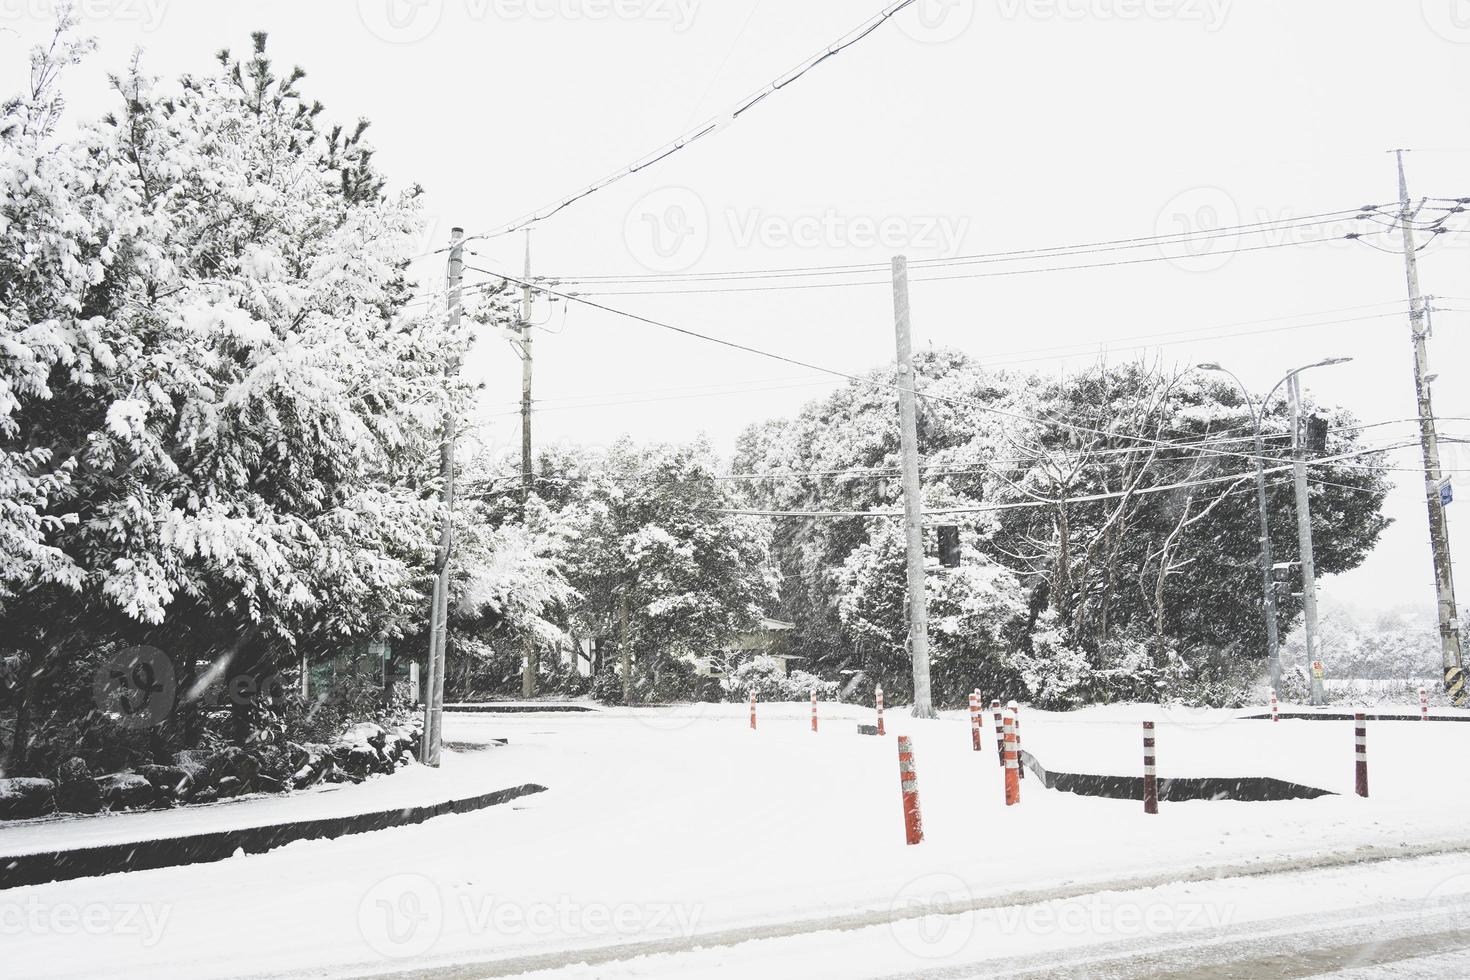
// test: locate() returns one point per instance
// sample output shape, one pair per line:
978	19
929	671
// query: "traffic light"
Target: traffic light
1317	434
949	546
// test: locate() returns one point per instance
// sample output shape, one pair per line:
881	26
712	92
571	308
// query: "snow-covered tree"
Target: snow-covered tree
218	419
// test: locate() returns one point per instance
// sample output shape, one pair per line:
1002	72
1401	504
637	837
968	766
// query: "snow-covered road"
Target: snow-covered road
681	827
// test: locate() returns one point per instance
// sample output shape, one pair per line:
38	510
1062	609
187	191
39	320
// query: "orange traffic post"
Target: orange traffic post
1361	738
1016	725
752	711
814	712
1423	704
880	710
908	780
1000	734
975	721
1012	762
1150	771
1275	708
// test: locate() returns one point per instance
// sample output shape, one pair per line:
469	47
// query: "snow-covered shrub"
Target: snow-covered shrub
1055	674
761	676
800	686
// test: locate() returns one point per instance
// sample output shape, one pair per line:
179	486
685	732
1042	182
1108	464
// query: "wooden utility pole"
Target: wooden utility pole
528	472
439	614
1439	539
912	491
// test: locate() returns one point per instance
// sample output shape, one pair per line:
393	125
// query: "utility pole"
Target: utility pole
439	614
912	500
528	473
1304	529
1439	539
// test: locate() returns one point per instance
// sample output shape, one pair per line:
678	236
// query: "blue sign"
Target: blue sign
1446	493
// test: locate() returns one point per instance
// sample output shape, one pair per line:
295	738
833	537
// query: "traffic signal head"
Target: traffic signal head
949	546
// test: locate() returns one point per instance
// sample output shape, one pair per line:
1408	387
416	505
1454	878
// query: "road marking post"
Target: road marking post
752	711
1360	722
880	709
1275	708
1423	704
1150	771
975	721
1011	761
1016	727
908	781
814	712
1000	733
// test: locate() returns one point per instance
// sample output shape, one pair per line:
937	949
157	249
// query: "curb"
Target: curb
1350	716
491	708
1248	789
171	852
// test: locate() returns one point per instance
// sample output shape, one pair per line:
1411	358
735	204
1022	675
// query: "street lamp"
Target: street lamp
1304	519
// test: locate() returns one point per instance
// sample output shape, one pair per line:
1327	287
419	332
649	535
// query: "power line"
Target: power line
714	125
1084	248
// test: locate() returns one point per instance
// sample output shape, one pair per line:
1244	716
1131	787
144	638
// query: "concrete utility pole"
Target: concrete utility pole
1268	563
1439	539
912	491
1304	528
439	614
528	471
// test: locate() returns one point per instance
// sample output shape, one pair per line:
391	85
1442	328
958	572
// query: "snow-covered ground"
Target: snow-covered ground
680	827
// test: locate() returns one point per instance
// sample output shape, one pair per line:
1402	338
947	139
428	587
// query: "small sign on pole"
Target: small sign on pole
1446	493
1319	671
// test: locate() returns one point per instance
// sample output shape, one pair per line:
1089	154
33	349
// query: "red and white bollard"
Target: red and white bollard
908	780
814	712
975	721
1423	704
1360	721
752	711
1150	771
880	710
1000	733
1275	708
1012	761
1016	725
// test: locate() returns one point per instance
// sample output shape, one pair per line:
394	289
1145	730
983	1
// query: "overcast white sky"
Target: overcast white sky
987	126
